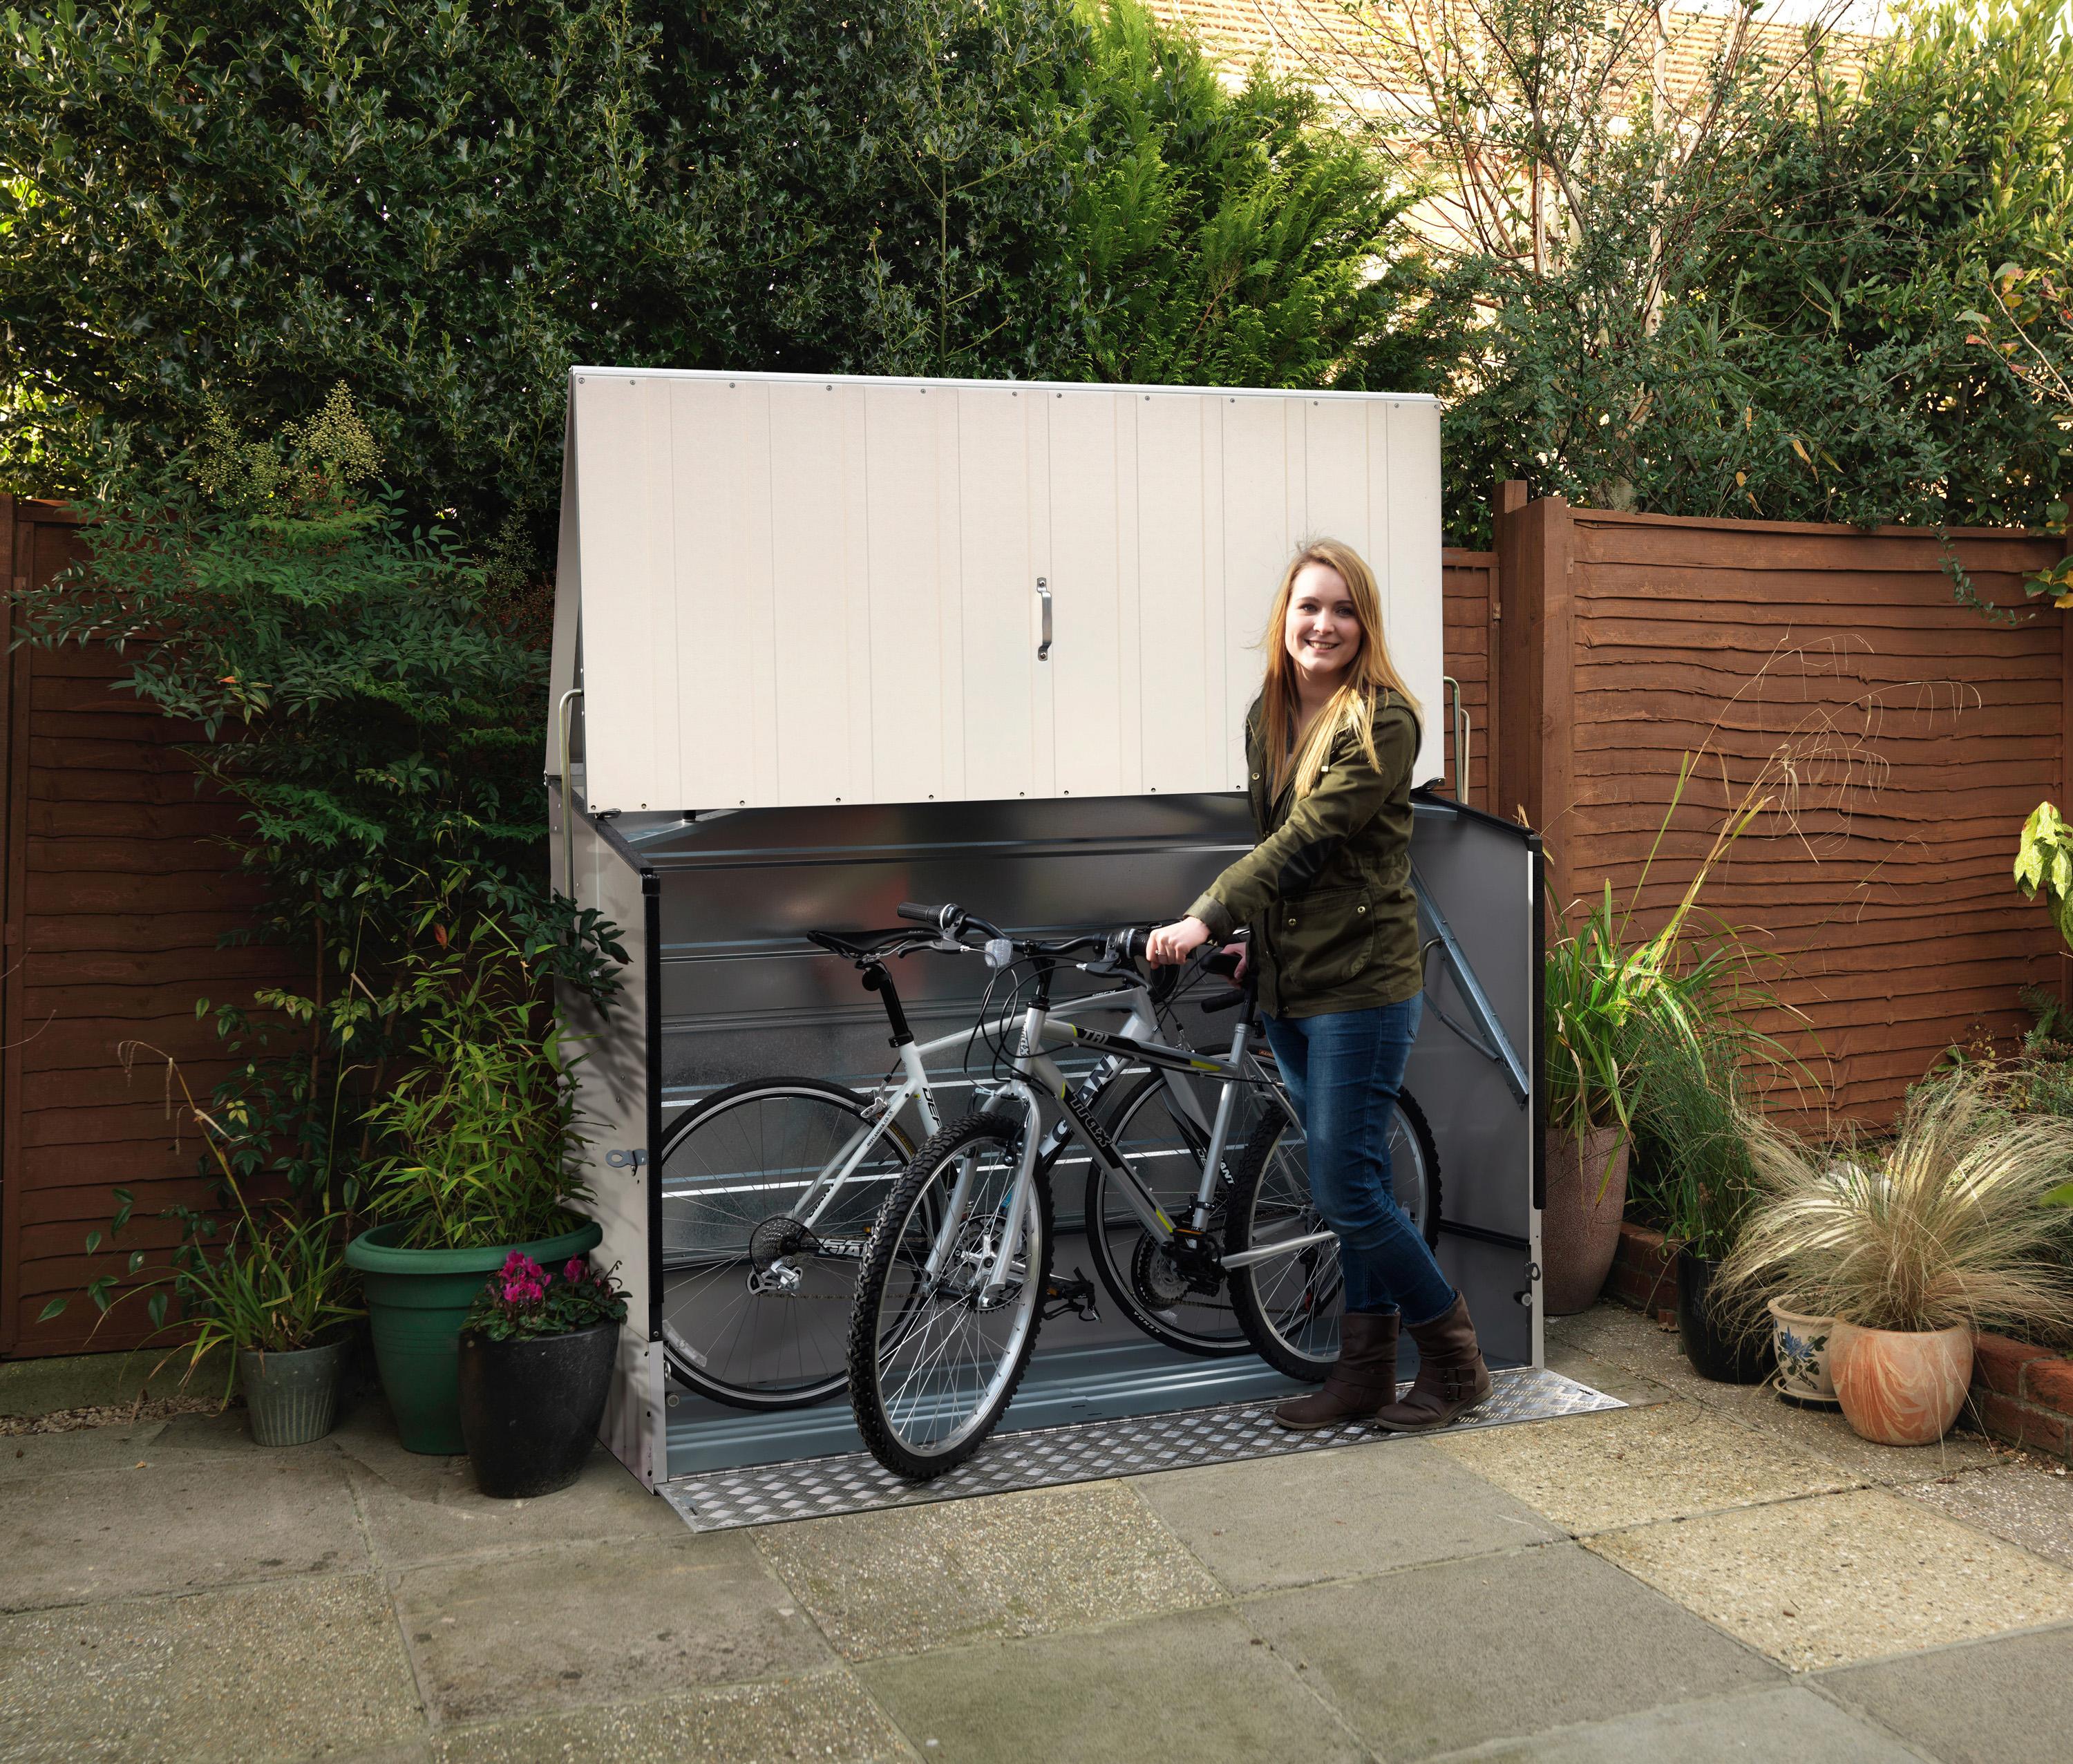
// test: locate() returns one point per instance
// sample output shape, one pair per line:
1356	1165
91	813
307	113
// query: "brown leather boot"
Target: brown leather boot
1451	1377
1361	1379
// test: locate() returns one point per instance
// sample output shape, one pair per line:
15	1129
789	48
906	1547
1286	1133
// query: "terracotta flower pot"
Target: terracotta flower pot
1900	1386
1580	1225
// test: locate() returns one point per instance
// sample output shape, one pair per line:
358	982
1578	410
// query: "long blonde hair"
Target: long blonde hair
1371	676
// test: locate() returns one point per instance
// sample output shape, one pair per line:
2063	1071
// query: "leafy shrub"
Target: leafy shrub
447	207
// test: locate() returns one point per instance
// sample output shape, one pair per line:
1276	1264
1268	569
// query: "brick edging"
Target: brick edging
1644	1275
2023	1395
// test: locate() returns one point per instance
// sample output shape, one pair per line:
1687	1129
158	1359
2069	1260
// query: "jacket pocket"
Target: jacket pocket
1323	938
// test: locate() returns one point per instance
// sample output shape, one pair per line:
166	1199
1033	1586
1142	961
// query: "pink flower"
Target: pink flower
524	1281
573	1273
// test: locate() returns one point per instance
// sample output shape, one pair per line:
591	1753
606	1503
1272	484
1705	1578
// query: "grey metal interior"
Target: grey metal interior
739	994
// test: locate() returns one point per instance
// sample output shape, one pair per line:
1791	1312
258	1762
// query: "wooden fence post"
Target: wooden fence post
1508	499
1537	632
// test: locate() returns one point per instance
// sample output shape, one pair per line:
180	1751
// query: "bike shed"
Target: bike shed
823	645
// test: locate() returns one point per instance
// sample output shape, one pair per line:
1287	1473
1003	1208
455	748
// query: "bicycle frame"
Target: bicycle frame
1033	1066
914	1086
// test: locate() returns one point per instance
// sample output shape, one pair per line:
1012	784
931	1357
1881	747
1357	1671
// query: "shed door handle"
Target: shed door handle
1044	594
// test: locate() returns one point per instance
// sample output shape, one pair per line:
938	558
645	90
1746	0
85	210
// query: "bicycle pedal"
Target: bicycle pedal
1075	1295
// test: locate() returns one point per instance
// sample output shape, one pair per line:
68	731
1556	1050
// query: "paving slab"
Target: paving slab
310	1668
547	1630
420	1510
172	1525
1324	1515
824	1717
1025	1564
1589	1472
1626	1339
1981	1703
1789	1724
1843	1578
1440	1659
1603	1374
80	1449
2017	1500
1195	1688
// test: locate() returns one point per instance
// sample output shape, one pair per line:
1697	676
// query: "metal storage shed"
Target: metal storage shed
822	644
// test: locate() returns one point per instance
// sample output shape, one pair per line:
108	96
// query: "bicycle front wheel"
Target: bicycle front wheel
949	1300
762	1235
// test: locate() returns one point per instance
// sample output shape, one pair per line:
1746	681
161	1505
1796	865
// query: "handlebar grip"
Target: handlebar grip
1221	964
1230	1001
1135	944
919	914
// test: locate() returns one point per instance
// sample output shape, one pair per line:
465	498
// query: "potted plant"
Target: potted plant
536	1357
266	1287
488	1162
1690	1098
1914	1252
1608	996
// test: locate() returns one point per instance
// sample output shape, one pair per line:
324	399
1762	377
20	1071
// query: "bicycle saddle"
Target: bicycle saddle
860	946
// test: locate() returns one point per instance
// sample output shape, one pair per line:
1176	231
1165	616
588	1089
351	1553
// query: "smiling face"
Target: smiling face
1322	631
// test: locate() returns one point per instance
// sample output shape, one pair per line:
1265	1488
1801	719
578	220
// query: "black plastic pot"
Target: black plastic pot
529	1409
1740	1358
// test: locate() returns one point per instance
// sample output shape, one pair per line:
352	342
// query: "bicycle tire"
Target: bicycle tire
1126	1282
1295	1327
693	1327
925	1426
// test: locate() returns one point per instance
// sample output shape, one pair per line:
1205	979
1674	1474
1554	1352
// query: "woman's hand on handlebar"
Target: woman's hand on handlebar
1173	944
1240	952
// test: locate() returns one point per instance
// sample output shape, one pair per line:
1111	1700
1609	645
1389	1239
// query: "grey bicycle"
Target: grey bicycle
956	1278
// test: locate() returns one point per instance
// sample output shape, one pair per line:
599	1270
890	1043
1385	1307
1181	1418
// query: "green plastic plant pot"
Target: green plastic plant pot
416	1300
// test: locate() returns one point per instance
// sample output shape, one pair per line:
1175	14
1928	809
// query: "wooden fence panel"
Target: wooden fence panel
117	894
1468	583
1897	738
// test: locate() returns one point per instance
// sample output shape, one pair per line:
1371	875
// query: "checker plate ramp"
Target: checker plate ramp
1044	1457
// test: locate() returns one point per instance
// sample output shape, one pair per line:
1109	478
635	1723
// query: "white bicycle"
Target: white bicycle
770	1187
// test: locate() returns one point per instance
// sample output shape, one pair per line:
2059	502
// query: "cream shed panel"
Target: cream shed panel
783	590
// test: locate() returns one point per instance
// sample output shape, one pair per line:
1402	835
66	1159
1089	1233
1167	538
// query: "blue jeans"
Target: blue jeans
1343	1070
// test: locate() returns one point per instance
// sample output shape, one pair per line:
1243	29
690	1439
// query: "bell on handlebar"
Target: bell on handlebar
1000	952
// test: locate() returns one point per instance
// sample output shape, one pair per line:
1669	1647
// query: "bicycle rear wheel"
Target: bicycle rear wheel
755	1299
948	1302
1290	1304
1183	1303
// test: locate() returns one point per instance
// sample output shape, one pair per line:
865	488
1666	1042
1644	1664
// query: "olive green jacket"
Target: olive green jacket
1327	890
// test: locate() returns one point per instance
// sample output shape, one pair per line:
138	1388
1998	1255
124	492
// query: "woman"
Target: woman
1329	744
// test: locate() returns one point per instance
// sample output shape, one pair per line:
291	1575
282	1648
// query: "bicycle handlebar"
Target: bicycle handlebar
953	921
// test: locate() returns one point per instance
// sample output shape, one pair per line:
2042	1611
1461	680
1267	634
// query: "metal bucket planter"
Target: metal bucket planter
529	1408
291	1396
1802	1345
416	1300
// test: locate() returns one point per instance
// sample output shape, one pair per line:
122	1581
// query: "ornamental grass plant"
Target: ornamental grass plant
1948	1226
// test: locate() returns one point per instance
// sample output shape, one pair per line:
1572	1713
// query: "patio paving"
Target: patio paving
1707	1575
